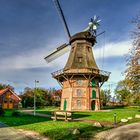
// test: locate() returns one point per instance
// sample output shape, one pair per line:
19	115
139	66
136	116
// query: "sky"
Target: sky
30	29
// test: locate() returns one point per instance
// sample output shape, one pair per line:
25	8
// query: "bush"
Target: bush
2	112
15	113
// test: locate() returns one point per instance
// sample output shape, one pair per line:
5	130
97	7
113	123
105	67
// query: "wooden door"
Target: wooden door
5	105
10	105
93	105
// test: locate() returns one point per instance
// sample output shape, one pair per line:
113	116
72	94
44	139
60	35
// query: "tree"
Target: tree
44	97
2	86
132	73
105	97
27	98
56	97
122	92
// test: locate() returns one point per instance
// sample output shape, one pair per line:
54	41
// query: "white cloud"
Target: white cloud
32	59
113	49
14	68
35	58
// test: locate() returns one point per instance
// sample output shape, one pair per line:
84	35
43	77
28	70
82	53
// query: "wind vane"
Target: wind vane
93	25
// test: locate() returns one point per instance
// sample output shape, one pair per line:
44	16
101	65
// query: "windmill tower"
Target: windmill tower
81	78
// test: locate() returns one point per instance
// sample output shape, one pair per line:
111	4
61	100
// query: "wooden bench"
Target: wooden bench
62	115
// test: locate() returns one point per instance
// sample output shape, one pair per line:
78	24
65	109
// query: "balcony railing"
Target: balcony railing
85	71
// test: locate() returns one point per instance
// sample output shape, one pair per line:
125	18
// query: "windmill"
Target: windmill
81	78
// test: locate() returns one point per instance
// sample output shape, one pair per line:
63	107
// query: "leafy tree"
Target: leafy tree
132	72
105	97
27	98
2	86
122	92
44	97
56	97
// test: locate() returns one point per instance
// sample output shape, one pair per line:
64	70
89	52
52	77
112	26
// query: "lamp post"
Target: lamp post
35	97
114	119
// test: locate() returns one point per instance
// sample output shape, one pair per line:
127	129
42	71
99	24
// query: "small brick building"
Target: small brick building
8	99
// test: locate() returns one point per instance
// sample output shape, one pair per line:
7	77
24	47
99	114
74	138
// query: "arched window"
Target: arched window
79	92
79	103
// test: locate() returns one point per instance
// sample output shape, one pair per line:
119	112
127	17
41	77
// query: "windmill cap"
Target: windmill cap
83	36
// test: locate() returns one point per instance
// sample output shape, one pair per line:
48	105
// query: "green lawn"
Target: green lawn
109	115
106	115
49	110
63	130
55	130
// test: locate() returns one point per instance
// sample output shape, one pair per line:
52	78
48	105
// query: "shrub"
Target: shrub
15	113
2	112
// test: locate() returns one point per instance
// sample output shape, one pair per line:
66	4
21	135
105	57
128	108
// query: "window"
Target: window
79	59
88	49
78	103
79	82
72	49
11	101
79	92
5	101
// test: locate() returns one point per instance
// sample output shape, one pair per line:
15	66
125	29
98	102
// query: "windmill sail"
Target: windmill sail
61	14
57	52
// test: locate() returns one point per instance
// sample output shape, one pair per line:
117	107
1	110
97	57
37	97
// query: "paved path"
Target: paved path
37	114
127	132
8	133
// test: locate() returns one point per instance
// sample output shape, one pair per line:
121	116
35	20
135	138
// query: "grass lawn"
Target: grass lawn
109	115
63	130
52	129
49	110
106	115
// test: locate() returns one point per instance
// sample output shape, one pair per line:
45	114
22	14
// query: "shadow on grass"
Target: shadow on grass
67	134
113	107
79	115
22	119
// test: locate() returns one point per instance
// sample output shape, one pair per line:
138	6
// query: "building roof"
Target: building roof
81	55
2	91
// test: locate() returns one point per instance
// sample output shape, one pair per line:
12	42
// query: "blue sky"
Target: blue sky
30	29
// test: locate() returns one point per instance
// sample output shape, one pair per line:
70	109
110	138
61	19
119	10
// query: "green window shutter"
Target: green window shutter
93	83
93	94
65	104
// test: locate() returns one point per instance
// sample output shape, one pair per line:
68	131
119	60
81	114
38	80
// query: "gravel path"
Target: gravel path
127	132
